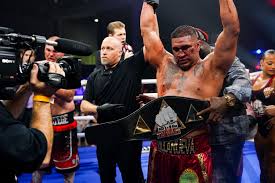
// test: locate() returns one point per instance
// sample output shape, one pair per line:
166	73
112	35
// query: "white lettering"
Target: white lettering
60	120
7	61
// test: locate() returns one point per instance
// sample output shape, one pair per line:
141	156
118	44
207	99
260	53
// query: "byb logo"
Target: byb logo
167	122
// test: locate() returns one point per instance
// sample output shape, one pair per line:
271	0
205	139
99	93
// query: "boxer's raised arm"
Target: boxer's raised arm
226	44
153	47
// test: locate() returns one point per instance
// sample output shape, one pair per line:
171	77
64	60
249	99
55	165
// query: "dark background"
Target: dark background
74	19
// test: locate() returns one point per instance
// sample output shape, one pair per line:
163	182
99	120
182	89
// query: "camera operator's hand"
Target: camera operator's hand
41	106
42	88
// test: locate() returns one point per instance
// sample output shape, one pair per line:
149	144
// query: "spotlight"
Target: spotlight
96	20
259	51
256	52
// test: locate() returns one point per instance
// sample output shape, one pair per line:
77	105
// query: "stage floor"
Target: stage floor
88	171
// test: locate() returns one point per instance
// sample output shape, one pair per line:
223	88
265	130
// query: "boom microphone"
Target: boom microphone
72	47
62	45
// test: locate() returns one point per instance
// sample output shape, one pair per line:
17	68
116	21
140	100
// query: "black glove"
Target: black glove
110	111
153	3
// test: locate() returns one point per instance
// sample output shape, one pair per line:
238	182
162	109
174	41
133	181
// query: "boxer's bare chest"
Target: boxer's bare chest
194	83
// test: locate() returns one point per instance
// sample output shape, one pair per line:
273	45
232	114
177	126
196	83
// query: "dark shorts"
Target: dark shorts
65	155
65	151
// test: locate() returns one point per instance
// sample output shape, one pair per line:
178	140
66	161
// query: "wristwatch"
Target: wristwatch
230	100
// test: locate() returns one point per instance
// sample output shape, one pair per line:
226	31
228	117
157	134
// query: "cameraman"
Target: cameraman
25	149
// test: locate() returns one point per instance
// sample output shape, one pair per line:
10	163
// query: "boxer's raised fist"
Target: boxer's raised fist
153	3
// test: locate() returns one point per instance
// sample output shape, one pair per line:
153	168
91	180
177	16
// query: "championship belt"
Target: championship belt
165	118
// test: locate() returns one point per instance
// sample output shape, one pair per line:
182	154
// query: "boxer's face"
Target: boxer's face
111	50
51	54
268	64
186	51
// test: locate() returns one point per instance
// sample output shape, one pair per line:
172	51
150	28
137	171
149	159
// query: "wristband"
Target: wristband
41	98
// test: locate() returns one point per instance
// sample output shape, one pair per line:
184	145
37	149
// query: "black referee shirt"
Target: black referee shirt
119	85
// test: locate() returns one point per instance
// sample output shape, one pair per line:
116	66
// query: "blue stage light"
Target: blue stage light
258	51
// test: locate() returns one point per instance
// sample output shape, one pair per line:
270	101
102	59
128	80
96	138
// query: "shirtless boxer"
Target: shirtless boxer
183	73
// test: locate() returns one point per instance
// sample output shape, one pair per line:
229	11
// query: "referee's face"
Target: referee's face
111	50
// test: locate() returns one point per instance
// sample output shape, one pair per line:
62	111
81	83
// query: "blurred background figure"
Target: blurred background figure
264	108
117	29
27	56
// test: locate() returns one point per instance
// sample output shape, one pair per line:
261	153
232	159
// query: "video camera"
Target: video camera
13	73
